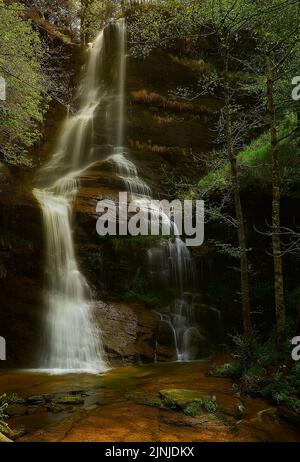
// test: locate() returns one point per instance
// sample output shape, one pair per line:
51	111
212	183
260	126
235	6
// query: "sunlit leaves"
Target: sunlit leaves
21	113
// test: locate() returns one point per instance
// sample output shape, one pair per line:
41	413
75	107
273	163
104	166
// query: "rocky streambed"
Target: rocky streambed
159	402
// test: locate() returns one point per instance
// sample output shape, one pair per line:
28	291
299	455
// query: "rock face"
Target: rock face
21	275
165	342
130	333
180	398
160	135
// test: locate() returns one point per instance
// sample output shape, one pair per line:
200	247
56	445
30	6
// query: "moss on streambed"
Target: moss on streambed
70	399
190	402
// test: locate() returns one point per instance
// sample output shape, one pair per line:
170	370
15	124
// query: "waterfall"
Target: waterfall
170	259
171	265
94	135
73	341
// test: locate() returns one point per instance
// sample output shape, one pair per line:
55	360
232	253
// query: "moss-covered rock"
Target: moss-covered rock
16	410
35	400
179	398
70	399
191	402
195	407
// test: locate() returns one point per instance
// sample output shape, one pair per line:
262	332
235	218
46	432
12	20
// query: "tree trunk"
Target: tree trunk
237	200
278	273
276	188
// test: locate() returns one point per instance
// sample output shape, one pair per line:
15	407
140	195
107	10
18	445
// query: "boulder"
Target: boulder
180	398
128	331
165	342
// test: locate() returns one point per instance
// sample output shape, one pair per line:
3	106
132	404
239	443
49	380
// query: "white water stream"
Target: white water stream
73	340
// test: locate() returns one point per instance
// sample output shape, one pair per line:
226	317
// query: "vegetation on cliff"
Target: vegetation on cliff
21	113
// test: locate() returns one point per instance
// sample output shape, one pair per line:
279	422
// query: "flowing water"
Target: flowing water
73	338
96	133
170	259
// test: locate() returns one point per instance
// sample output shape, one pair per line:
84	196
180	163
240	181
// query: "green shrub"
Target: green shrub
291	402
229	370
265	370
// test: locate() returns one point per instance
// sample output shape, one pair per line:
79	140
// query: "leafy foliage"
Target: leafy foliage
265	370
22	112
162	24
226	370
94	15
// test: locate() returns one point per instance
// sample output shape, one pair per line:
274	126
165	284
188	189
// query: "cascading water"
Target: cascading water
73	340
171	259
95	134
171	265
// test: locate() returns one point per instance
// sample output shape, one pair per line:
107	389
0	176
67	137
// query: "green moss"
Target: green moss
192	409
225	370
180	398
70	399
191	402
256	162
219	179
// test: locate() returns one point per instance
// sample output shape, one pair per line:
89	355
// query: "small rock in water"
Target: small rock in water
267	413
57	408
70	399
48	398
15	410
79	392
180	398
241	408
36	400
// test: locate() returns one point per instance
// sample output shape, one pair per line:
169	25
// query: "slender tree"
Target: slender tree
227	17
278	36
